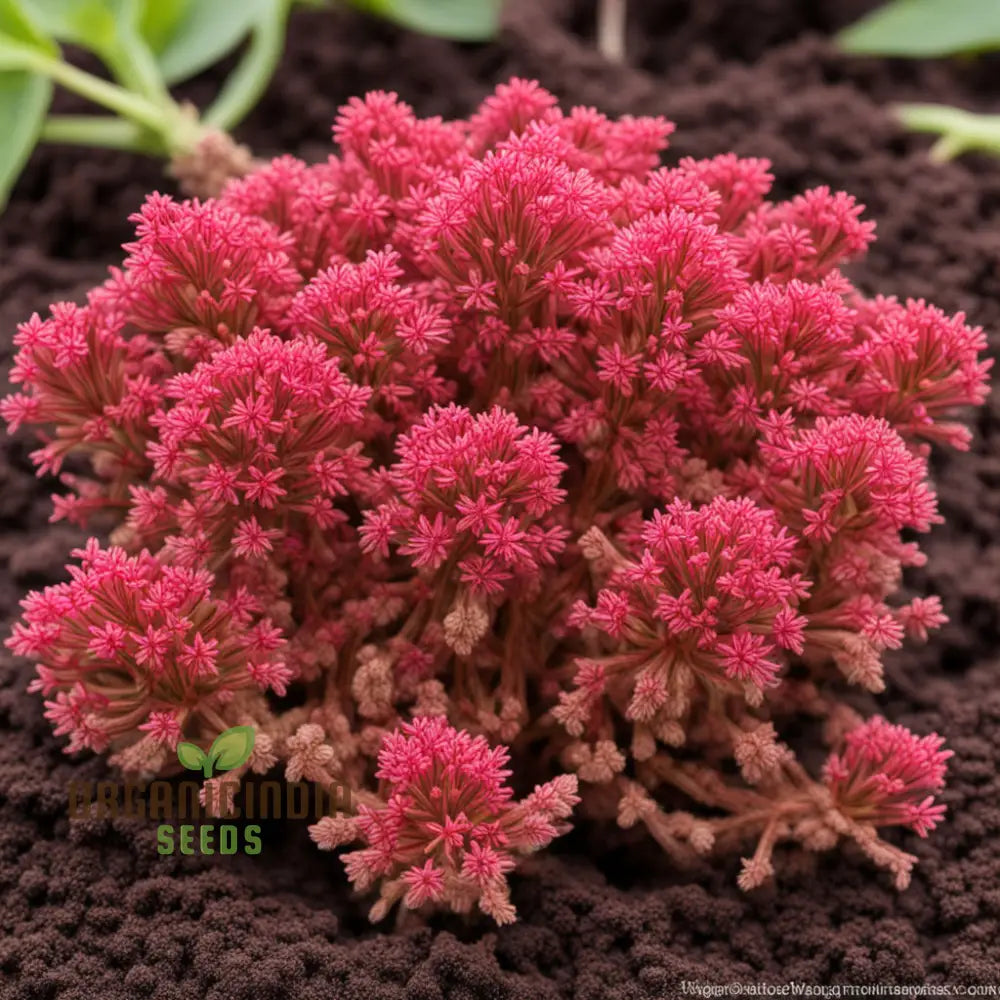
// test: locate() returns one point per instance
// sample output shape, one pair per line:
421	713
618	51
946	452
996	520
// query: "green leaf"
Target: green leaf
24	99
91	24
202	33
232	747
24	96
159	19
925	28
463	20
18	26
110	29
191	756
20	30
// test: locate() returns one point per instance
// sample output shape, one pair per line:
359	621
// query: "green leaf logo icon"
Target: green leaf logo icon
233	747
230	749
191	756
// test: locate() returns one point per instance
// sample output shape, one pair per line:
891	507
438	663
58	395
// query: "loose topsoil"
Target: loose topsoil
91	911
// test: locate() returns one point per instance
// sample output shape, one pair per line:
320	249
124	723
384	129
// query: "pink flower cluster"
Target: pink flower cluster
707	602
259	444
131	644
472	495
497	432
449	830
886	776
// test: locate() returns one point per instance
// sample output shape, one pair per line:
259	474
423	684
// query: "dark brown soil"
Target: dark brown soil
92	912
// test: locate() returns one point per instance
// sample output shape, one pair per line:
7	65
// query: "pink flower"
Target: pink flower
850	475
921	615
886	776
342	422
740	183
164	727
495	233
93	390
806	237
132	645
426	884
710	597
791	339
449	829
200	275
846	488
915	365
510	109
610	150
257	449
383	332
397	151
477	492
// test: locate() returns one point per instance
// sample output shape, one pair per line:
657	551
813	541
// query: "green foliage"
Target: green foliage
97	25
159	23
146	45
198	34
925	29
17	28
960	131
181	37
24	96
464	20
111	30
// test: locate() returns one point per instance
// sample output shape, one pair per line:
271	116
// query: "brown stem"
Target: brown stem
216	159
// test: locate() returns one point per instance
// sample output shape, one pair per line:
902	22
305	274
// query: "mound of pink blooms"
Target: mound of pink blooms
496	441
449	830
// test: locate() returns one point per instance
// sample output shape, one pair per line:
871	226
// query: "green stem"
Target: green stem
108	95
134	66
250	78
960	130
98	130
176	131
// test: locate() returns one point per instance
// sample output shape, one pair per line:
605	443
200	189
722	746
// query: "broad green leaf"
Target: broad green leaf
464	20
191	756
205	32
24	96
925	28
110	29
91	24
17	25
24	100
232	747
159	19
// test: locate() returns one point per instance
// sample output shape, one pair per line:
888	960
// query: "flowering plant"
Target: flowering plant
501	443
